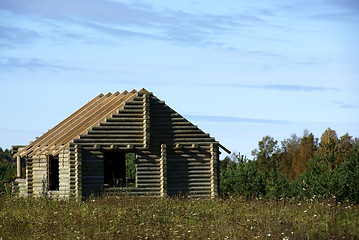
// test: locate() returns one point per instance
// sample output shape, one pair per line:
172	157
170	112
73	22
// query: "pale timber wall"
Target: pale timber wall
64	174
172	155
29	176
127	130
188	155
37	176
22	186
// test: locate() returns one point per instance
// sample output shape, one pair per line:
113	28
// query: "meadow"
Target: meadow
177	218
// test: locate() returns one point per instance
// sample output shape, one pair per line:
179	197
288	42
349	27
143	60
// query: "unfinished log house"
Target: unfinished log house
86	153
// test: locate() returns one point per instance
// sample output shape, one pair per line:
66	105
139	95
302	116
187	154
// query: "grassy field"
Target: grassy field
151	218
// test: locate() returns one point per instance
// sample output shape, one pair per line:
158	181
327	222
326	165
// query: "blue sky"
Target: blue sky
239	70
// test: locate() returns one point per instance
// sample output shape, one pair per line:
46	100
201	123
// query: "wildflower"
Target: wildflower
269	235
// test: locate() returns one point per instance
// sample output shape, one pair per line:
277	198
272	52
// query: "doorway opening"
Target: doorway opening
119	169
53	172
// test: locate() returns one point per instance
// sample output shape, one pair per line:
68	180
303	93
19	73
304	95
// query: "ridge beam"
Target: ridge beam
146	120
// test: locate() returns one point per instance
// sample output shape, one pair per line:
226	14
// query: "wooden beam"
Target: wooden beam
44	137
225	149
146	120
57	139
85	122
163	171
18	160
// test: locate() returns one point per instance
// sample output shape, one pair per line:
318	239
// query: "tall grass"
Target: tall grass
175	218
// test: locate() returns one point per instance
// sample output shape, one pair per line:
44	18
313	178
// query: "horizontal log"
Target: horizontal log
187	175
135	106
151	186
134	103
170	167
184	141
108	145
110	141
148	176
124	119
118	132
169	123
127	115
122	124
148	165
173	127
136	111
191	181
111	136
184	188
189	172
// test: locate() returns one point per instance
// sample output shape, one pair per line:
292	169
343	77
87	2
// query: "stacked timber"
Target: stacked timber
173	156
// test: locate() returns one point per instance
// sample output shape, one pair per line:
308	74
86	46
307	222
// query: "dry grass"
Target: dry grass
151	218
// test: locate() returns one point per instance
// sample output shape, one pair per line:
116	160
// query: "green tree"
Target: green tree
307	147
7	170
240	177
289	156
346	176
276	185
329	145
345	145
267	156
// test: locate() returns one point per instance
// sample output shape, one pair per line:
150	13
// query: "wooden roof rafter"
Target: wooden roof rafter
51	140
99	110
85	121
39	141
111	109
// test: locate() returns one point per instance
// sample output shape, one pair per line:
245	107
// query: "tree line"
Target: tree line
7	170
300	167
297	167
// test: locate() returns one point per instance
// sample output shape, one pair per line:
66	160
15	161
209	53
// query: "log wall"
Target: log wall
173	156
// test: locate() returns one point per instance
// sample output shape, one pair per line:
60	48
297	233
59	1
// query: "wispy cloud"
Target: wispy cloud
118	32
33	64
226	119
346	105
10	36
344	10
280	87
135	21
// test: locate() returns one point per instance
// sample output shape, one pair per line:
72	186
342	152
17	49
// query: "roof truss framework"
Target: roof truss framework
116	120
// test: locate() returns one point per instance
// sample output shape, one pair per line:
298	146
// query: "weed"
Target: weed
176	218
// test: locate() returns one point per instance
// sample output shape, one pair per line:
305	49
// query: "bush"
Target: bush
241	178
7	175
7	171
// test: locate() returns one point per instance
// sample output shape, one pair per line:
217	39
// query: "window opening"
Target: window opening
23	167
53	173
119	169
